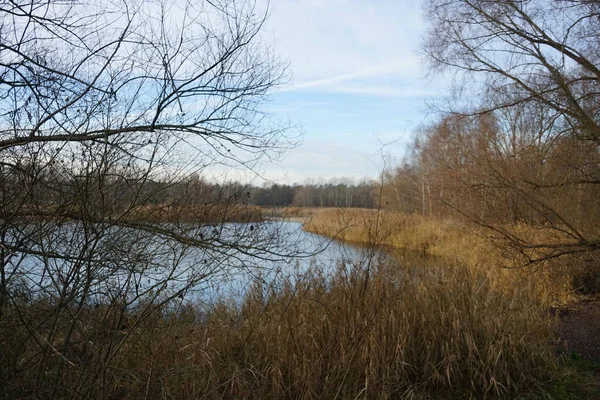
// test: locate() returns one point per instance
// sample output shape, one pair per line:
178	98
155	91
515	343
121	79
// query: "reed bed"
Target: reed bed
452	240
385	334
442	237
357	333
460	329
209	213
291	212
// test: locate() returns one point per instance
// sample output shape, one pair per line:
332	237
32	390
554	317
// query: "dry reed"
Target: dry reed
451	239
447	333
460	330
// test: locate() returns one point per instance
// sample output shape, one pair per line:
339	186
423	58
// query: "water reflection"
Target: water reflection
297	251
127	265
307	250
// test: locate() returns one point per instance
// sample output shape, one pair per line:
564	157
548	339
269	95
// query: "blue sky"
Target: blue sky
357	83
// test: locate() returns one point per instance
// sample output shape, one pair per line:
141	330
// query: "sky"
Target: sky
357	91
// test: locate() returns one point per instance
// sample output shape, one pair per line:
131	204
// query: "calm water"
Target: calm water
293	251
304	250
131	264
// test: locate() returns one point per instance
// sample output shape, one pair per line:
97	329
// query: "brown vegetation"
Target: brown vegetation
206	213
321	335
107	121
523	150
554	290
455	241
301	213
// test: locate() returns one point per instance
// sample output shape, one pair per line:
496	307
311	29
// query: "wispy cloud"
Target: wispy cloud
357	83
374	71
369	81
385	91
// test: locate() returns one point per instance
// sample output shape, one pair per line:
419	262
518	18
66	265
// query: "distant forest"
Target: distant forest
333	193
120	189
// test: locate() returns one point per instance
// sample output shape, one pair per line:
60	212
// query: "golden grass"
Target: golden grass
344	334
451	239
301	213
387	228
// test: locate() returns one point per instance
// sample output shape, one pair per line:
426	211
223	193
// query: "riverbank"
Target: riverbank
551	288
450	239
343	329
345	334
214	213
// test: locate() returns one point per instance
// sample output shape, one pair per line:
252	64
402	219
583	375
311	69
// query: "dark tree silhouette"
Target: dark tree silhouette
108	109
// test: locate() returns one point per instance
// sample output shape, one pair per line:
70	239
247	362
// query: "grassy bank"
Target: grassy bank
441	237
450	239
547	287
462	330
321	335
296	213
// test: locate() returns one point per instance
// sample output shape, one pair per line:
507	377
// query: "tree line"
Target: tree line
516	149
334	193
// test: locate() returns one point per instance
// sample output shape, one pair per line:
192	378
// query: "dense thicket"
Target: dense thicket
520	147
100	101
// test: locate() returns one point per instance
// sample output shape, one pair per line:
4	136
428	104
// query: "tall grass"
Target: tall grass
431	235
291	212
450	239
462	329
354	333
208	212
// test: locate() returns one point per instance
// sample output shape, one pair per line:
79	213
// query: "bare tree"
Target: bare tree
106	107
534	67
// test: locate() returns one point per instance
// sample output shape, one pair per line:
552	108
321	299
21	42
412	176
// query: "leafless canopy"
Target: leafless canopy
522	143
109	110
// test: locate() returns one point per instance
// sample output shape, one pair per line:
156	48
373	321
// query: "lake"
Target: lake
288	250
300	251
130	264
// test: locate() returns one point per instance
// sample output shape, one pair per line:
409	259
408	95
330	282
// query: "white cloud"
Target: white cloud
351	47
389	69
326	159
355	73
381	90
